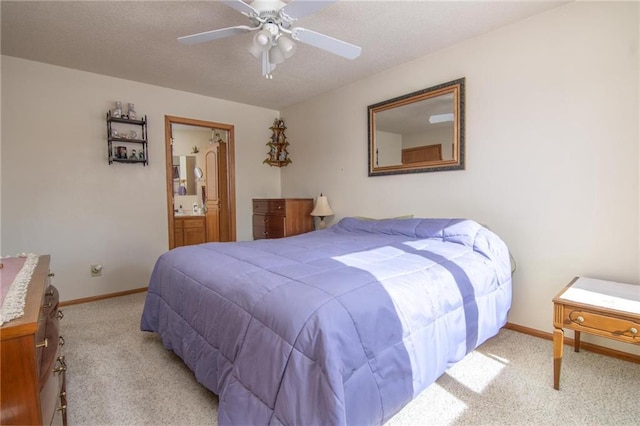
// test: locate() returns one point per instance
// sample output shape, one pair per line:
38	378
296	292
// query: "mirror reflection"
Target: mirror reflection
419	132
189	148
184	177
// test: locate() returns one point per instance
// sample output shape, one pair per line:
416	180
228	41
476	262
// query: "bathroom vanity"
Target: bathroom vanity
189	230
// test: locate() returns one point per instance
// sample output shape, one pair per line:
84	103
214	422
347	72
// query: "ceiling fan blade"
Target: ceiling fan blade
241	7
297	9
214	34
330	44
441	118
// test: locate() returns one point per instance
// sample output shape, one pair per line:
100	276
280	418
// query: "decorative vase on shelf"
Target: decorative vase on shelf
117	112
131	112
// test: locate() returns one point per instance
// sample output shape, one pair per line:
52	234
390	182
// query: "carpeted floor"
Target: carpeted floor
118	375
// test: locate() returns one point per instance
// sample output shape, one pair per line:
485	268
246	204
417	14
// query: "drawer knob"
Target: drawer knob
47	305
60	314
51	274
50	292
61	341
580	319
43	344
62	408
633	331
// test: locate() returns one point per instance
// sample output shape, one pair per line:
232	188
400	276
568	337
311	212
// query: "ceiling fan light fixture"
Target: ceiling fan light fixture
254	50
286	46
276	56
262	40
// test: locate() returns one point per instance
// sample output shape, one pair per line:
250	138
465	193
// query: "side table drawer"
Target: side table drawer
607	326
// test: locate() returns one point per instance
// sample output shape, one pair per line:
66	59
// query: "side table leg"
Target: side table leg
576	343
558	341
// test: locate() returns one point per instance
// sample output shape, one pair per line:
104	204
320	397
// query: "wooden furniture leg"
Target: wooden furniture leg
558	340
576	343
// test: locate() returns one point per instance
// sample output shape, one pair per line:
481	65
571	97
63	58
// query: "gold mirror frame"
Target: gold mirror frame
441	100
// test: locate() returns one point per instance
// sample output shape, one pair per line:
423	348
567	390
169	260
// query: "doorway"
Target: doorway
212	163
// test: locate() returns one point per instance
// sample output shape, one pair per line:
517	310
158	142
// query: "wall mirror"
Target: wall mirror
185	175
418	132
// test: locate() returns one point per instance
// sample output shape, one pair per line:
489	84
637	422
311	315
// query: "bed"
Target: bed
341	326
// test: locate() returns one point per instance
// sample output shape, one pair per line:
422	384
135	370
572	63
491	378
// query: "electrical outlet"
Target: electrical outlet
96	270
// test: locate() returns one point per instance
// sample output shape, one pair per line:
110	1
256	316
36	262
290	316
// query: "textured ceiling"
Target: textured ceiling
136	40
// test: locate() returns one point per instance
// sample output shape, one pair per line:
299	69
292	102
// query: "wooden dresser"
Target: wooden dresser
189	230
281	217
33	367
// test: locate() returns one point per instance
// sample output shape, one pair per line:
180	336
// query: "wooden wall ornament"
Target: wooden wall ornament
278	153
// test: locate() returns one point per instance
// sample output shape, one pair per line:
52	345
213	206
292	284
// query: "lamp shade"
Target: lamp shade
261	42
275	55
255	50
286	46
322	208
262	39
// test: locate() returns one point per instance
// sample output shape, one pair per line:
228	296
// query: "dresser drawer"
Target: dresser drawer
53	393
595	323
47	346
31	386
268	226
276	206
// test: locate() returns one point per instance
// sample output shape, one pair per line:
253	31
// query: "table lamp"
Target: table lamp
322	210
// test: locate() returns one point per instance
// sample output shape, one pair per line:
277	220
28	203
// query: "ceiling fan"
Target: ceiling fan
272	21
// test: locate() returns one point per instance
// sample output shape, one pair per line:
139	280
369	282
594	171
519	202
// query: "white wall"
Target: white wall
61	197
552	144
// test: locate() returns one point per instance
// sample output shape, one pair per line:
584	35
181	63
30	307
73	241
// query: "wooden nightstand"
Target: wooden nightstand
603	308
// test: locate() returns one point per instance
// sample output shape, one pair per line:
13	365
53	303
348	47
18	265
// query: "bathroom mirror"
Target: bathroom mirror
421	131
184	181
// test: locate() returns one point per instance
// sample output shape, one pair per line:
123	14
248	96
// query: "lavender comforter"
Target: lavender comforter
340	326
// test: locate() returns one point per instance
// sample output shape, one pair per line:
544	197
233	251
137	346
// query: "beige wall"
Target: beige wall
552	139
61	197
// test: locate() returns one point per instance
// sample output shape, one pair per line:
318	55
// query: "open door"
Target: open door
219	187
